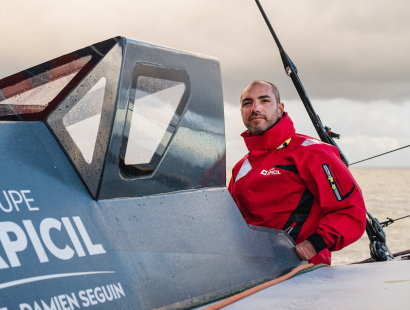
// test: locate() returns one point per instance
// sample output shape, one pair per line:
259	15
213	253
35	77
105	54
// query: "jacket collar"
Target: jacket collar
271	138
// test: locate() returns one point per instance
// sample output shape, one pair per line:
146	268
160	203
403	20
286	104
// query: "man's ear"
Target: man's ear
281	108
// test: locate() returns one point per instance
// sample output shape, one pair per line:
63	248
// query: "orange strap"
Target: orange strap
255	289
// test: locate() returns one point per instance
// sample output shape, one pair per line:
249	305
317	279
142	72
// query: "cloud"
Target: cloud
343	49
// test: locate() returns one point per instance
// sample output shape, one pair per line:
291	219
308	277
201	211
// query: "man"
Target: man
294	182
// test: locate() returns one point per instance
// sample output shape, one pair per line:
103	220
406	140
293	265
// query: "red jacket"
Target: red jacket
299	184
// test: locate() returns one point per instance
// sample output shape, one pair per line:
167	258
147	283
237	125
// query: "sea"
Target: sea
386	194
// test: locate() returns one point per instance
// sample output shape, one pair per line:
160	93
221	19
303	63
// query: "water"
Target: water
387	194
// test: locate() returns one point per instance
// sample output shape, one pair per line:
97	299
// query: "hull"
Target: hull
366	286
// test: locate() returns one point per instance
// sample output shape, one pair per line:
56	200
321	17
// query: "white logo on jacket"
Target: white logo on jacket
271	171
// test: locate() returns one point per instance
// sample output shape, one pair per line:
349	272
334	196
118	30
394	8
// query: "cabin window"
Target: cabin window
157	101
83	120
32	90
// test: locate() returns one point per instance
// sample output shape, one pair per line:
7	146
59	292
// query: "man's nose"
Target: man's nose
256	106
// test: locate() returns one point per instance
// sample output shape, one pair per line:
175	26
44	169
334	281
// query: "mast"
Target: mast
324	132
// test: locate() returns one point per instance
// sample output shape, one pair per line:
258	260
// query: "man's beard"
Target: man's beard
259	129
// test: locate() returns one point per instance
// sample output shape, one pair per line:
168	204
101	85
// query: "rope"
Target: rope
380	154
232	299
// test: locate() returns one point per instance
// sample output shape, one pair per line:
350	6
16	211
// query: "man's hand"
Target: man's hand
305	250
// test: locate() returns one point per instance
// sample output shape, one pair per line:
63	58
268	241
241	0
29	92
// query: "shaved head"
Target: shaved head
275	90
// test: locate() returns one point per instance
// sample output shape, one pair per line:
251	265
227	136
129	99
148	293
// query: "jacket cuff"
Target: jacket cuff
318	242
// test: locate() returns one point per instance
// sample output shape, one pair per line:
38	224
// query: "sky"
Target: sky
352	57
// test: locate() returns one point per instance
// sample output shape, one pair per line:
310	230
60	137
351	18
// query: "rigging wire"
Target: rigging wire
391	221
379	250
400	148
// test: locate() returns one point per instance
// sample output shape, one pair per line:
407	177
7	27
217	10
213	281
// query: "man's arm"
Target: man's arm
338	194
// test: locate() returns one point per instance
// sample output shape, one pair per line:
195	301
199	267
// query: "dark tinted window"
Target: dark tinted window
32	94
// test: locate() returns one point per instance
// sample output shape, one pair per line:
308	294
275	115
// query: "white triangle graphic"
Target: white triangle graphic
246	167
84	133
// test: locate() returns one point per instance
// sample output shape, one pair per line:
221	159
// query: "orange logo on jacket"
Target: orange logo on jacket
271	171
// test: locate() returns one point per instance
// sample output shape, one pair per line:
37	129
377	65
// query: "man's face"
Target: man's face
259	108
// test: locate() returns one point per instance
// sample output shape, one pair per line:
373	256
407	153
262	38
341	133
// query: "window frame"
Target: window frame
159	72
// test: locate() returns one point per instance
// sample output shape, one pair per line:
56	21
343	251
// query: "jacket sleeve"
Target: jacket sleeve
338	194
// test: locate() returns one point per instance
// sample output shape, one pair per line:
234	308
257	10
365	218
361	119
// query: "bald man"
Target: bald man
294	182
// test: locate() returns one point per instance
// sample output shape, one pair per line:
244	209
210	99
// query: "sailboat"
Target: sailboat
113	196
